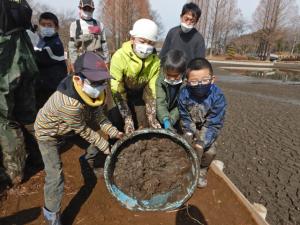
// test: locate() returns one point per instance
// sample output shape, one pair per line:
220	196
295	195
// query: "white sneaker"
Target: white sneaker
202	182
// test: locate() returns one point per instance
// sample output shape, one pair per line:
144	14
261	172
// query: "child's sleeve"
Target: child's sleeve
161	102
50	54
72	45
107	127
72	116
186	121
214	121
104	44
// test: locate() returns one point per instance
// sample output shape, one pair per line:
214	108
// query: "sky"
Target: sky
169	10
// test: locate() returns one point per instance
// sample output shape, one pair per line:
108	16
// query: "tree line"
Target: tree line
274	28
275	25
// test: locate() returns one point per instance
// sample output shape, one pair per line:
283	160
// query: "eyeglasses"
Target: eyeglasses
199	82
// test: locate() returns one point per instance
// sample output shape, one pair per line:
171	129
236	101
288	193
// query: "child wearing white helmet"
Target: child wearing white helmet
135	68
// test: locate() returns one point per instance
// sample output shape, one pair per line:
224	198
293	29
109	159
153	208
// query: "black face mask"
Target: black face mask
199	90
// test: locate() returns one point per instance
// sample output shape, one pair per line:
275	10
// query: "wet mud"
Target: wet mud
150	167
86	201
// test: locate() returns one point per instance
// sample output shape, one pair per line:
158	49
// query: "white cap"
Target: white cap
145	28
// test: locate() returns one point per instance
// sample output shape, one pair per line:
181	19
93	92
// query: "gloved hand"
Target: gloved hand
153	123
129	125
120	135
151	114
188	136
167	123
107	151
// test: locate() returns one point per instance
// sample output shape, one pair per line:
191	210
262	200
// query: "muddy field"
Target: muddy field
260	145
152	166
87	202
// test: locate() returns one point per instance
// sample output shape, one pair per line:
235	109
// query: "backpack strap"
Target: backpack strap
94	22
78	29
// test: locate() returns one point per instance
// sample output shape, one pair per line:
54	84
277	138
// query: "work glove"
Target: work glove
151	114
168	125
153	123
107	151
120	135
188	136
129	125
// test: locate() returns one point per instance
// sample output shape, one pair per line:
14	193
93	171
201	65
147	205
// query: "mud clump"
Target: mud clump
154	166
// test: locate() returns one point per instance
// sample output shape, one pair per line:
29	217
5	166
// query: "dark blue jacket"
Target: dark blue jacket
205	114
51	63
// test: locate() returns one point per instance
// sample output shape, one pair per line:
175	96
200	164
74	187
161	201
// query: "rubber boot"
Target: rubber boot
51	217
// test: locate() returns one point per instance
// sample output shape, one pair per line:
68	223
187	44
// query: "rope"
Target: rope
188	213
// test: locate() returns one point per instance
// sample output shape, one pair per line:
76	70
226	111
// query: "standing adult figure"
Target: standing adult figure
186	37
87	34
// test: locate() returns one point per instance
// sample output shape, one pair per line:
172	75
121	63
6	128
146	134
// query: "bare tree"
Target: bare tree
217	23
270	18
118	17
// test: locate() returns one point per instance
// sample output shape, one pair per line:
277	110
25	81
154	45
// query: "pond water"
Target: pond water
283	75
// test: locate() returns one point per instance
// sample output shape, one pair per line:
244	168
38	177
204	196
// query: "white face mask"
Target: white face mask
86	15
93	92
186	28
47	31
173	82
143	50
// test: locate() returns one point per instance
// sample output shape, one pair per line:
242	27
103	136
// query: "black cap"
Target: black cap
92	66
84	3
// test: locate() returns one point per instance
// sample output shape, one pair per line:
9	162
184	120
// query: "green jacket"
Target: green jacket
129	72
164	107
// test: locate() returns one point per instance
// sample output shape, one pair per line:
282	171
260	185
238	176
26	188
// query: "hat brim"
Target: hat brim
96	75
87	5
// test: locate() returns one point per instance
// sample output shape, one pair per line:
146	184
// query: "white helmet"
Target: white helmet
145	28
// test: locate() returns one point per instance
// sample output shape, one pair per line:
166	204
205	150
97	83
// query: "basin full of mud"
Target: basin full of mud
152	171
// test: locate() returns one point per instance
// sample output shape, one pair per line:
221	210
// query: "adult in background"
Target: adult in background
185	37
87	34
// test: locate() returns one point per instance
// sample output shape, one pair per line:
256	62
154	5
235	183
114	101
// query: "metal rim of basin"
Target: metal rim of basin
147	205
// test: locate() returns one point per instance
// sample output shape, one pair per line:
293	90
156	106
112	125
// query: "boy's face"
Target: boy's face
139	40
87	9
203	76
47	23
173	75
188	19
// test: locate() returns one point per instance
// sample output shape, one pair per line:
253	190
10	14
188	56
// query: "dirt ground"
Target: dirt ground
87	201
260	145
152	166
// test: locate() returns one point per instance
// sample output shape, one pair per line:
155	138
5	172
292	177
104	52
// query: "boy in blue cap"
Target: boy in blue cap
78	101
202	107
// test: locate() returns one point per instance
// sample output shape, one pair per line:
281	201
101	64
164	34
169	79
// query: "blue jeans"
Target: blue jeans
54	180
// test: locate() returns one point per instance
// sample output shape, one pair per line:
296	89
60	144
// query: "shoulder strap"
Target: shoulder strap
94	22
78	29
